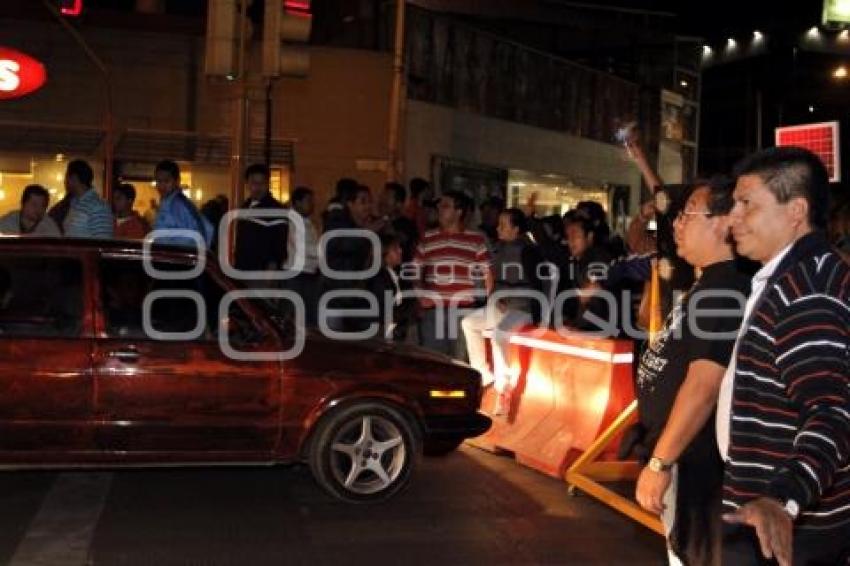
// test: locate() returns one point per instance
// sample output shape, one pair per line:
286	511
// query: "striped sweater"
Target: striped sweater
88	217
790	415
452	266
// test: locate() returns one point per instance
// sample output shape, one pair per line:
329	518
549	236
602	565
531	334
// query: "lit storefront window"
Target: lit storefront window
556	194
18	171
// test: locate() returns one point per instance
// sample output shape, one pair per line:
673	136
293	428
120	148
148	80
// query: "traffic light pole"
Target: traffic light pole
108	120
394	169
240	113
267	142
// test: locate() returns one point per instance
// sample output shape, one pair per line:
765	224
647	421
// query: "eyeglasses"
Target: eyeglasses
684	215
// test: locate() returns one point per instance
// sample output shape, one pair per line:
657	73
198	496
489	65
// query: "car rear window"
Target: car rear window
40	296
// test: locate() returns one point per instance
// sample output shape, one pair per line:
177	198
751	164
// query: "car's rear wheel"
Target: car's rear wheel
365	452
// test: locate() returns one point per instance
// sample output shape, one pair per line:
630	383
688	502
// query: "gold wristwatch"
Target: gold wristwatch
658	465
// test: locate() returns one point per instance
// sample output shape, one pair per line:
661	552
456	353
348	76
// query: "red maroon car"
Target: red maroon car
103	365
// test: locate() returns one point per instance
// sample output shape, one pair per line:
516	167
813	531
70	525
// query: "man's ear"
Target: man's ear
724	227
799	209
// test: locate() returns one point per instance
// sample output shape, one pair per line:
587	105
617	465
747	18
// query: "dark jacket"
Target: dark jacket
346	253
516	266
790	415
260	241
382	287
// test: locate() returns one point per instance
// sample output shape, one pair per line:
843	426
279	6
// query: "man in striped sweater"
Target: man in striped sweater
451	272
89	216
783	417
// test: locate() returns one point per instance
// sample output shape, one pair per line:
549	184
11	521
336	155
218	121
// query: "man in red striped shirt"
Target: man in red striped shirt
451	266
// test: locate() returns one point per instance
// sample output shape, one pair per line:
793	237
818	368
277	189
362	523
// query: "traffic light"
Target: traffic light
70	7
286	24
221	38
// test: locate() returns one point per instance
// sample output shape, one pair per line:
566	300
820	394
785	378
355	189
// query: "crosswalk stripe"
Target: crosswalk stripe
61	531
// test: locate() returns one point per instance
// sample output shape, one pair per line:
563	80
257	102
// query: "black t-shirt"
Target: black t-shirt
714	305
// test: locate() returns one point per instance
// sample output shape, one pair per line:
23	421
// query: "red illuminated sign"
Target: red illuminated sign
20	74
297	7
71	7
821	139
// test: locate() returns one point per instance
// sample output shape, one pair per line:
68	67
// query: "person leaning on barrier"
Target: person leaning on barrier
516	269
679	376
783	417
590	261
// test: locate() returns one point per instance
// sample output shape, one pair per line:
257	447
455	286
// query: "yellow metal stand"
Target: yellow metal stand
587	474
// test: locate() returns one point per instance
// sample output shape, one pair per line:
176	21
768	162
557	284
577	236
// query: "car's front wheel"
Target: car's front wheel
363	453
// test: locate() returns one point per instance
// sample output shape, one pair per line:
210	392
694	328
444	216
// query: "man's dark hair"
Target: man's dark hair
720	189
128	190
583	223
170	167
518	219
345	188
569	216
595	213
418	185
792	172
461	202
223	201
81	170
34	191
300	193
352	196
388	239
257	169
398	190
592	210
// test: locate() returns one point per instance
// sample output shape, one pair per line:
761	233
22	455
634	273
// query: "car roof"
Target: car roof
130	247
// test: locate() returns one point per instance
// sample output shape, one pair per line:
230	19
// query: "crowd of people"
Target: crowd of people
743	393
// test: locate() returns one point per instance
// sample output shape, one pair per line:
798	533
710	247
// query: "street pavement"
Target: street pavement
470	507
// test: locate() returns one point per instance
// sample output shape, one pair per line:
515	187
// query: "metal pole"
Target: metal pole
240	104
108	121
268	136
394	172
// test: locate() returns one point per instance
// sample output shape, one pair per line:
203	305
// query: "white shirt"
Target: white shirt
388	334
311	249
724	400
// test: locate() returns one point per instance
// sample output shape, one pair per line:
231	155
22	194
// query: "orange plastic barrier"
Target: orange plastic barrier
570	389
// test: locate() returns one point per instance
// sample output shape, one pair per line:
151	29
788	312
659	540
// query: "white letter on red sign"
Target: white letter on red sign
9	79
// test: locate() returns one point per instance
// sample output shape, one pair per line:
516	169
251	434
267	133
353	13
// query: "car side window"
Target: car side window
40	296
125	284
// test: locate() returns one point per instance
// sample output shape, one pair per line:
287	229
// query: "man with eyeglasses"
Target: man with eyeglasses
679	378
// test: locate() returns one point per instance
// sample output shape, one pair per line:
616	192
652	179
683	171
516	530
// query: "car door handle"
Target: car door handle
126	355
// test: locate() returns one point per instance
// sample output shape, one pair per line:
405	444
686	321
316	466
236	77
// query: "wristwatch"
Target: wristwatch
656	464
793	509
